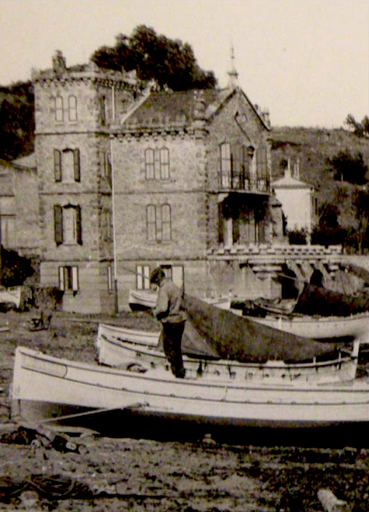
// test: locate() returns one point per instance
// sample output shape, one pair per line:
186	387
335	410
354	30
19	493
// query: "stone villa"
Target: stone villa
131	178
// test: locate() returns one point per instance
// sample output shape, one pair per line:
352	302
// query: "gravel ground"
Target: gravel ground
108	474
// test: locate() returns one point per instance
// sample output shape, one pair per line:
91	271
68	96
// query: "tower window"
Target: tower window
59	109
72	108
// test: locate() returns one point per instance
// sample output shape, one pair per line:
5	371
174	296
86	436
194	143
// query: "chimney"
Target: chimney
59	63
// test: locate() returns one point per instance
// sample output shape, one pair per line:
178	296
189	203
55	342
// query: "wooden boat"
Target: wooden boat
118	333
119	349
146	299
11	296
142	299
47	388
355	326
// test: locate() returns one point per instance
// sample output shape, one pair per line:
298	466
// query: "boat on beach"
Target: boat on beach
46	388
146	299
121	346
320	328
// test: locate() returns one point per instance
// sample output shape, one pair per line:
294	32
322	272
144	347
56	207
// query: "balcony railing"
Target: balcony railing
240	181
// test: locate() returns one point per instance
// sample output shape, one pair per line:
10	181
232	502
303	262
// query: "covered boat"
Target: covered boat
50	389
120	350
317	313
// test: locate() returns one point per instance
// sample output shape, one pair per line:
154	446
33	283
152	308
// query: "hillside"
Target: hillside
312	146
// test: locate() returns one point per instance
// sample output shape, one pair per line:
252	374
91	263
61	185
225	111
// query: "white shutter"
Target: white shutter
75	279
61	278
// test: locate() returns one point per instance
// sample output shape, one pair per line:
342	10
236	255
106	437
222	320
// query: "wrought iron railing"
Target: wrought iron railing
241	181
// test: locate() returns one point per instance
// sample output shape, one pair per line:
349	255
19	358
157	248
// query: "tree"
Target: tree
169	62
328	230
361	207
359	129
348	167
16	120
15	268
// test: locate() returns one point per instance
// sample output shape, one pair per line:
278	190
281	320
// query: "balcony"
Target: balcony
231	181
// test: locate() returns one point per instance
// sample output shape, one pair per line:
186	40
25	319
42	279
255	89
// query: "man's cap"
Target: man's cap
157	275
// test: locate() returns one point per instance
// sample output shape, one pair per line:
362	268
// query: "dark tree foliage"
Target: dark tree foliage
169	62
359	129
297	237
328	230
361	208
348	167
14	268
17	123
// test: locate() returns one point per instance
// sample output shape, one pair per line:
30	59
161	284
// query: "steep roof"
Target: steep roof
179	109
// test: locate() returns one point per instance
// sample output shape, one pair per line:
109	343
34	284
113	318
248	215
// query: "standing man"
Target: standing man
170	313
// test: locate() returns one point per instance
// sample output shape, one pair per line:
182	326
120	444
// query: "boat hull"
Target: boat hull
355	327
51	389
120	346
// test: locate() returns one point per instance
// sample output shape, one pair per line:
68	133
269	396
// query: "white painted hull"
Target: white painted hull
142	299
147	299
44	385
117	333
11	295
119	349
356	326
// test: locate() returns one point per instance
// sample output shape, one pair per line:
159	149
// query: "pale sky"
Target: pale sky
307	61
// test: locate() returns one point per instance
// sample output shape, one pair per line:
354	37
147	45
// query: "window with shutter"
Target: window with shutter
69	278
77	165
58	224
220	223
57	165
79	225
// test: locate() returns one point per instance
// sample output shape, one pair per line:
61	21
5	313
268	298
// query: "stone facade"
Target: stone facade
206	202
19	206
73	108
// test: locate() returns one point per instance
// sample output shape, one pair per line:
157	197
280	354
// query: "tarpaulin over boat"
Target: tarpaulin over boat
315	300
239	338
360	272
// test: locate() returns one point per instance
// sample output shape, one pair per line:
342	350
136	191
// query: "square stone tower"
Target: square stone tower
73	109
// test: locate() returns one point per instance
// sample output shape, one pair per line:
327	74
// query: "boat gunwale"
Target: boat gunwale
351	386
269	365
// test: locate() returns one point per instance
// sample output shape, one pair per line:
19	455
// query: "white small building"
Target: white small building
297	199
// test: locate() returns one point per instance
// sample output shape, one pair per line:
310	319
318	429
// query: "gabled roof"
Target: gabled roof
179	109
289	182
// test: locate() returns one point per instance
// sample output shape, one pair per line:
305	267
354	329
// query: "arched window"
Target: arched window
59	109
72	108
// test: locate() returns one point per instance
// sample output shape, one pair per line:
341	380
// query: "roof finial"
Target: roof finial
233	75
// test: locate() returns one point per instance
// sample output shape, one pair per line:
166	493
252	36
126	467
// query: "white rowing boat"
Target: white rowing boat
47	388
